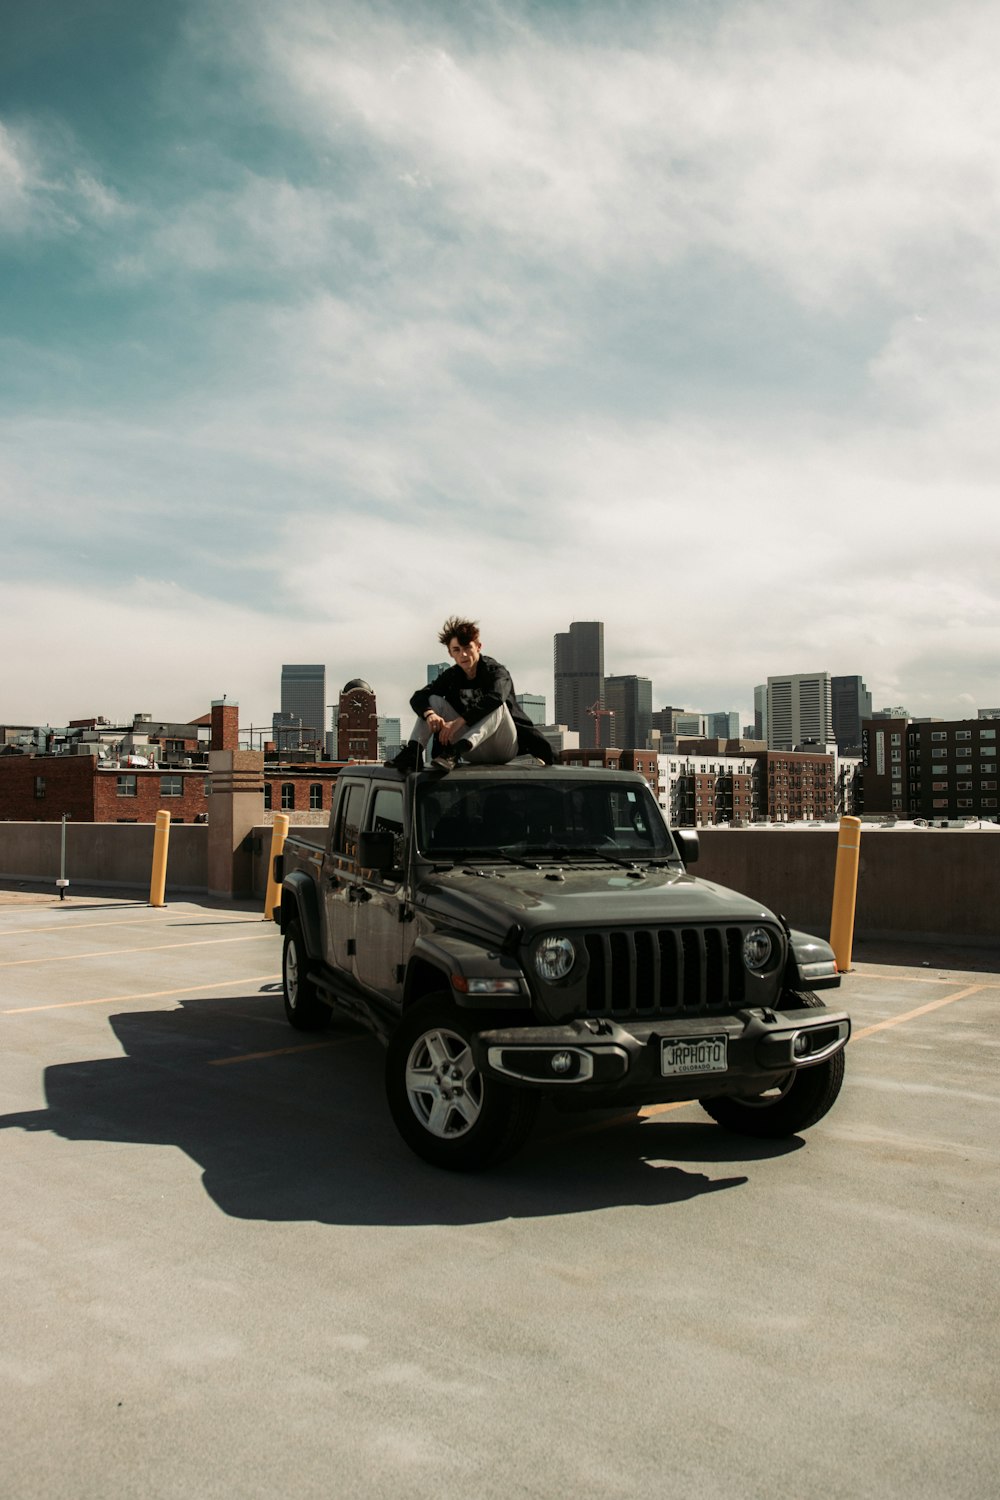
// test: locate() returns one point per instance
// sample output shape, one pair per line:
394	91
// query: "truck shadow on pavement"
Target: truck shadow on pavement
288	1128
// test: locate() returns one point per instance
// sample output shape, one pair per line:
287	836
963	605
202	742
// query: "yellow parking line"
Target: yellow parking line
663	1109
337	1041
921	1010
189	989
66	958
152	912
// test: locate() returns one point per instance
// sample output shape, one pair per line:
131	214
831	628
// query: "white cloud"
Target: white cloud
838	153
392	427
45	189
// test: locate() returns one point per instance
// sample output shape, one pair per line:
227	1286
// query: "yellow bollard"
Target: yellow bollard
279	833
845	891
158	878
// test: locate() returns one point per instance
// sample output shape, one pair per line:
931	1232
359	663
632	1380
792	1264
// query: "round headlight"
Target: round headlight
554	957
757	947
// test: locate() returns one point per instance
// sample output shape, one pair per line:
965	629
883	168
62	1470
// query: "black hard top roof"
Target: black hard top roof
509	772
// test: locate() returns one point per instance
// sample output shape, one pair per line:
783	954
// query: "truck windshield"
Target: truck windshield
459	817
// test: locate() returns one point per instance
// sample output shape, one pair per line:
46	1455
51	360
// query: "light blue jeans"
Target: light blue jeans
493	739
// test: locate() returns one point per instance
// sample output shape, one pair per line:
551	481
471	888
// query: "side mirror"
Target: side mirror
687	842
377	851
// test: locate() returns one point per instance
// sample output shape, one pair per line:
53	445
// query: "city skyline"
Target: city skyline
678	317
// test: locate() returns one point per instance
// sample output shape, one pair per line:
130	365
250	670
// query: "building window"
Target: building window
171	786
939	734
987	786
964	786
316	796
965	801
267	796
940	802
989	802
39	786
287	795
963	751
987	769
963	734
897	755
127	786
987	734
939	770
208	786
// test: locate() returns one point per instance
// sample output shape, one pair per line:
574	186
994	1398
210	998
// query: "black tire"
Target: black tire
303	1008
801	1000
443	1107
797	1102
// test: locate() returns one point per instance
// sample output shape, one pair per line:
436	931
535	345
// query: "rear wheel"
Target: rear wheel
303	1008
794	1103
443	1107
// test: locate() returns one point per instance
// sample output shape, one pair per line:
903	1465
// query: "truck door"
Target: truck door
382	934
340	870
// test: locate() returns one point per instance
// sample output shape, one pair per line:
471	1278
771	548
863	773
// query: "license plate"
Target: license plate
695	1054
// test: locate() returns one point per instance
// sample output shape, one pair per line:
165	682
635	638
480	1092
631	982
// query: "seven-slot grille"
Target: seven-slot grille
648	971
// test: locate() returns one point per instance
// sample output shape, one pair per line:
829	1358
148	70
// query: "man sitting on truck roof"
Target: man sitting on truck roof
470	710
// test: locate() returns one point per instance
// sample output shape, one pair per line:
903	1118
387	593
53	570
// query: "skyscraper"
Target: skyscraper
579	675
799	710
533	705
631	700
851	703
303	705
723	725
760	712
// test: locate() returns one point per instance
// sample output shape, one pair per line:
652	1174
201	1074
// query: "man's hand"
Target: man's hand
446	733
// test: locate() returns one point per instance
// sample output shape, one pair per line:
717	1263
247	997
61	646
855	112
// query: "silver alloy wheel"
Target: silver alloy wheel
443	1085
291	973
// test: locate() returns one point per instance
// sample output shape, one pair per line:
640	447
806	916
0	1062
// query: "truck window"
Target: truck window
386	816
349	820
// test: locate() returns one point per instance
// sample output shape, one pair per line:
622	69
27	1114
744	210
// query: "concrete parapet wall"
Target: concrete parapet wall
107	854
931	884
934	883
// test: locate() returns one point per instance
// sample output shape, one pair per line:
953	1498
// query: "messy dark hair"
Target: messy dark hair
466	631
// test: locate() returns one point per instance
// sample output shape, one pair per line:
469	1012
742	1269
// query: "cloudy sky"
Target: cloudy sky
319	322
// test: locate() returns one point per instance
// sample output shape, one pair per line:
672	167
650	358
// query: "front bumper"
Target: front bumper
599	1060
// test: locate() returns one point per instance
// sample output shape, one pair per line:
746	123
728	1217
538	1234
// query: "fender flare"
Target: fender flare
299	903
449	955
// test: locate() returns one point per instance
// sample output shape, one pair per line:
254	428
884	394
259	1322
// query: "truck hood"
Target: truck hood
493	898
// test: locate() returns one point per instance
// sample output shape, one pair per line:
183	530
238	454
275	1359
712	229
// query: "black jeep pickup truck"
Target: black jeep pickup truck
518	931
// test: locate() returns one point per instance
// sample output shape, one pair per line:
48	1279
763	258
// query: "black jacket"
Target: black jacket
475	697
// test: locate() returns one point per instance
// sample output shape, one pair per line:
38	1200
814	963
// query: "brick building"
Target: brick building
357	722
938	769
799	785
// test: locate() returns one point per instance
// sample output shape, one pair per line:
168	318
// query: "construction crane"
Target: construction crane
597	713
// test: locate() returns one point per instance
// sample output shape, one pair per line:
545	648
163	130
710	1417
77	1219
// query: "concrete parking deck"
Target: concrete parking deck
226	1276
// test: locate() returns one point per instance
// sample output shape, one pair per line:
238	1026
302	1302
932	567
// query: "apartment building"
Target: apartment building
938	769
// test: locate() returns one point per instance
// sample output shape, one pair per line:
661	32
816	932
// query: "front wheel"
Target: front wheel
797	1101
443	1107
303	1008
